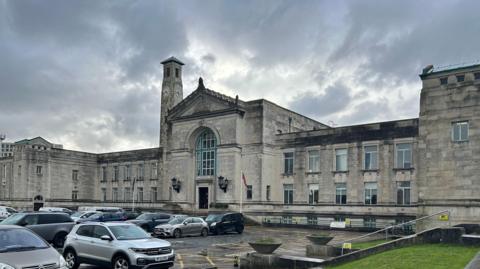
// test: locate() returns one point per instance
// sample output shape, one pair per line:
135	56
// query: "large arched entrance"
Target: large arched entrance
205	168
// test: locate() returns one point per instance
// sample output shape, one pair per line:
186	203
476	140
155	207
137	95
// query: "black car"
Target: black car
226	222
148	221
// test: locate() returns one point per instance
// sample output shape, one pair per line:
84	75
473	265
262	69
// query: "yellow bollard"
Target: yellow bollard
235	261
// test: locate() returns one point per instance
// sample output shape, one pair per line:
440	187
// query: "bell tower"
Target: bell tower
172	93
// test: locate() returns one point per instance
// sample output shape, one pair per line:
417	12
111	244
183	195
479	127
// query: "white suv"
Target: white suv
6	211
118	245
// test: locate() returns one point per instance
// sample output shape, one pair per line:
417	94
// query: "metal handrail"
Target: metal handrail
393	226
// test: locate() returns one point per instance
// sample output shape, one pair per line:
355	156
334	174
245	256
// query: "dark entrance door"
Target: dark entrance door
37	206
203	197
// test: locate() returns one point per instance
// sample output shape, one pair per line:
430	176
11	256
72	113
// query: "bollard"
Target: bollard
235	261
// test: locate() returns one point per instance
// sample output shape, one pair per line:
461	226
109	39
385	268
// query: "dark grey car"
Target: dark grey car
21	248
53	227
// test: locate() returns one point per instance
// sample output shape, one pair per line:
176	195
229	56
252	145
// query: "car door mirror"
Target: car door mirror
106	238
185	223
23	223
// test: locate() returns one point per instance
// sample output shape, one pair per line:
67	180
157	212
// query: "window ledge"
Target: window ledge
370	170
340	172
403	169
313	173
152	179
288	175
460	141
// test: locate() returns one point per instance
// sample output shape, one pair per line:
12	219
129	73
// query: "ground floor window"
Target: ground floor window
268	192
403	192
128	194
104	194
114	194
288	194
313	194
287	219
140	194
74	195
153	194
312	220
249	192
369	222
341	193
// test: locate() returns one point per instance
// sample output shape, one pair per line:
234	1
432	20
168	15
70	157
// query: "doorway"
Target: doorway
203	197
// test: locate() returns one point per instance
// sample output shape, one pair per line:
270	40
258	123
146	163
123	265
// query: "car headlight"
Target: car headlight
6	266
213	224
137	250
62	263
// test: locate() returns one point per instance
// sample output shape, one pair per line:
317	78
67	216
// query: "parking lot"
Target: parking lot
219	250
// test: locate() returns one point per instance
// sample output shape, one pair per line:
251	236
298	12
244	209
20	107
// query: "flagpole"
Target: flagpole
133	195
241	190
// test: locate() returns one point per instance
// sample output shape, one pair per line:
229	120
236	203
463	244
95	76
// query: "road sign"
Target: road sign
347	245
443	217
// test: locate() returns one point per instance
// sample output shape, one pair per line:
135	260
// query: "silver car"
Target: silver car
21	248
179	227
117	245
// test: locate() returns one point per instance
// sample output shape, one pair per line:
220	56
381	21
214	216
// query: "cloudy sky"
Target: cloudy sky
87	74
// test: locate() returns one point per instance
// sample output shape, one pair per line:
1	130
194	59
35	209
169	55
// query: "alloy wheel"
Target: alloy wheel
121	263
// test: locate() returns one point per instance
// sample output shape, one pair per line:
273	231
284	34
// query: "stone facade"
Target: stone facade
295	168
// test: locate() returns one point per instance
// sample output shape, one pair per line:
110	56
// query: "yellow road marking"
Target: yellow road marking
180	260
209	260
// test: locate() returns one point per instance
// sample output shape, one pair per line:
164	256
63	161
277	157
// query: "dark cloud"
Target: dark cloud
316	105
86	73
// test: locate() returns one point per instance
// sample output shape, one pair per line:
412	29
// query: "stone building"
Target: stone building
222	153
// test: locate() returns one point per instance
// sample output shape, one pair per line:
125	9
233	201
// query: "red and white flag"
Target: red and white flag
244	179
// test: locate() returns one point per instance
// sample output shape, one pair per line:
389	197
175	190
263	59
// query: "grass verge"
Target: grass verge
425	256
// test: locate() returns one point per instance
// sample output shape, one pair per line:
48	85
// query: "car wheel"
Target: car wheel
204	232
120	262
71	259
239	229
177	233
59	240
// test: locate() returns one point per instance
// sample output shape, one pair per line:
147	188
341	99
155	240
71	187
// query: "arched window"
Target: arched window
206	153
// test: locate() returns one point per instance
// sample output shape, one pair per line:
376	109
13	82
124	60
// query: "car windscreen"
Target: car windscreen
13	219
145	217
128	232
77	214
95	216
176	220
14	240
214	218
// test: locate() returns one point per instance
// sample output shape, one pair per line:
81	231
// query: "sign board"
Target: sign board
348	222
337	224
443	217
347	245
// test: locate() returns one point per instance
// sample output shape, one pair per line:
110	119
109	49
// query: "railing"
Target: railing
393	228
324	222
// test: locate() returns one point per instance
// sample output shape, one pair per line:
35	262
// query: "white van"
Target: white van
6	211
55	209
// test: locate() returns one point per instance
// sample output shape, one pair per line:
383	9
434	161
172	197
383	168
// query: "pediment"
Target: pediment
204	104
35	141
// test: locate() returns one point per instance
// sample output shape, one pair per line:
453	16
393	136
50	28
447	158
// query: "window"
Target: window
268	192
39	170
115	194
206	153
177	72
477	76
128	194
140	172
99	231
444	81
115	173
341	193
19	171
403	192
288	194
168	72
85	230
339	218
288	163
75	175
370	157
74	195
369	222
249	192
341	160
154	171
313	161
460	131
128	172
313	194
287	219
460	78
404	155
140	194
371	193
153	194
104	173
104	194
312	220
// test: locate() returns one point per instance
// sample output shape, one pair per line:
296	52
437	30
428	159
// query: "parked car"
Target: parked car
21	248
6	211
226	222
56	209
100	208
104	217
116	245
82	215
148	221
179	227
132	214
53	227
